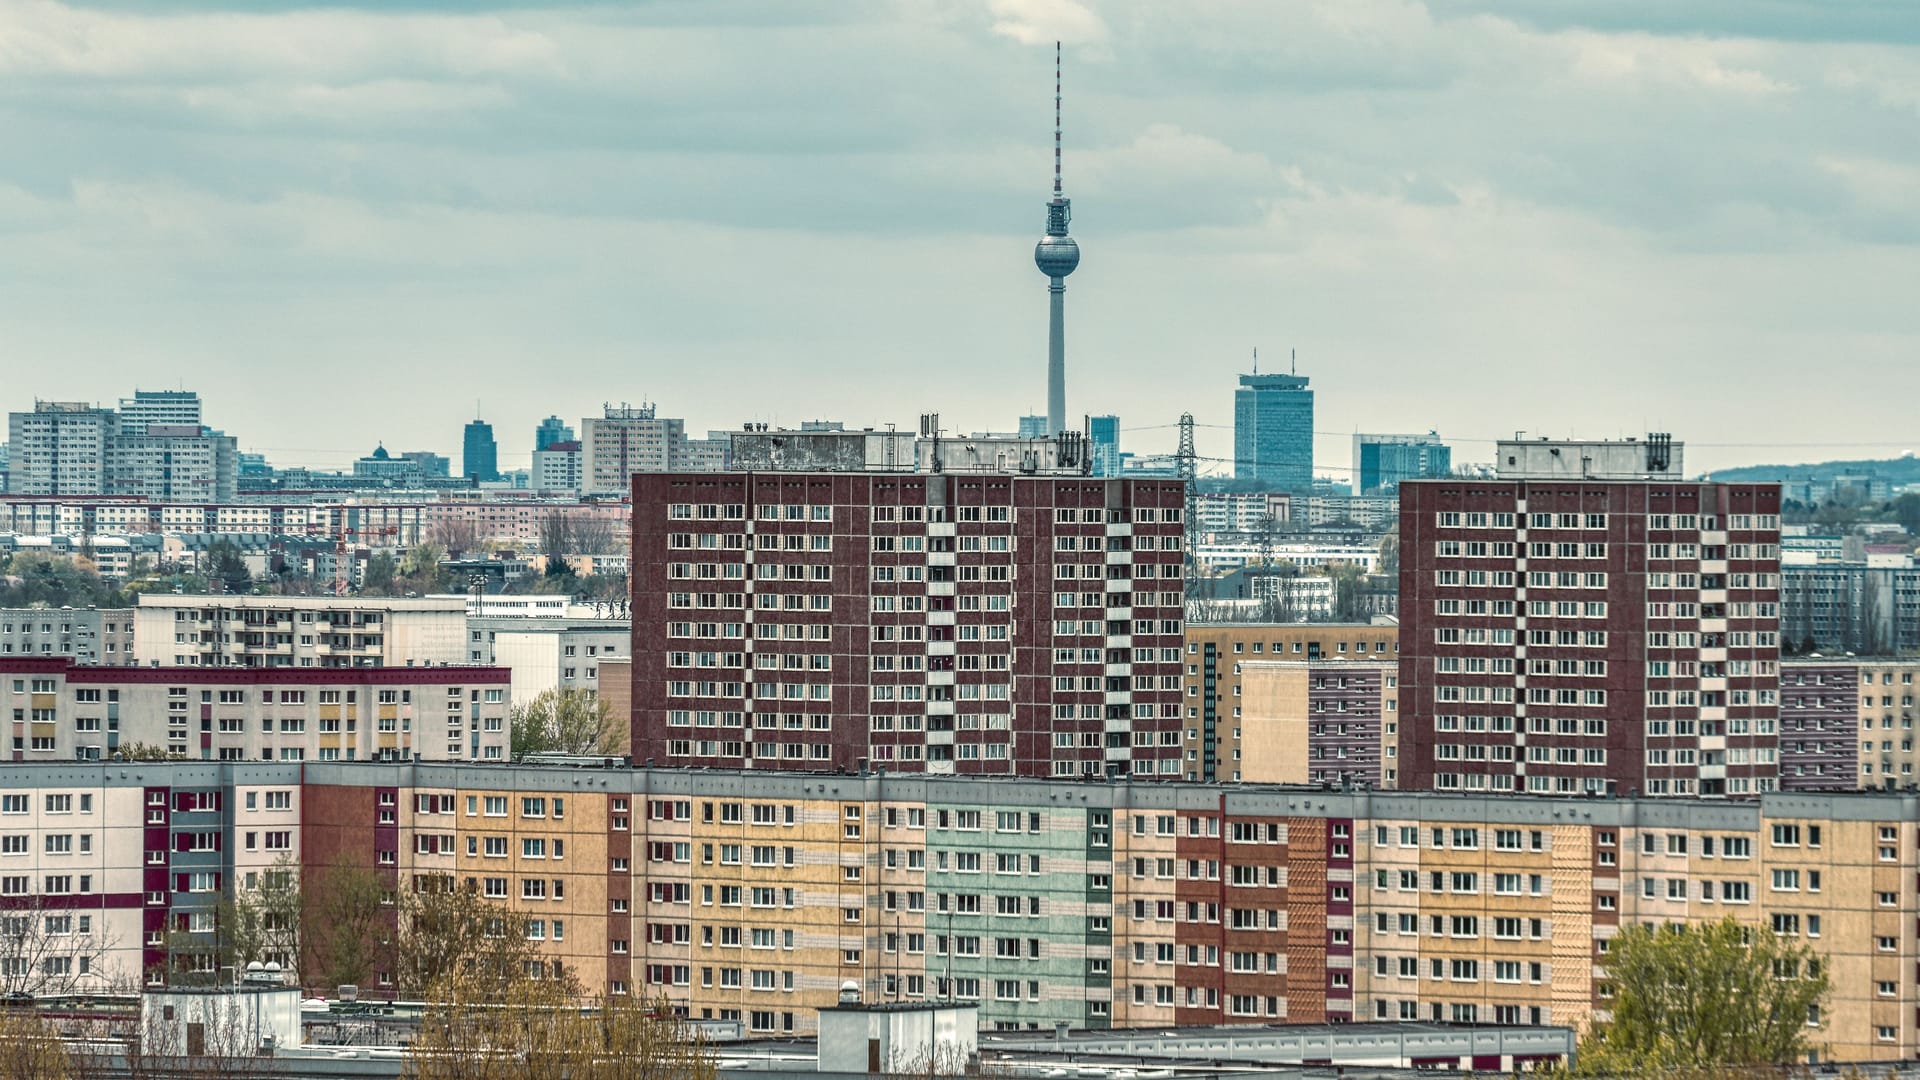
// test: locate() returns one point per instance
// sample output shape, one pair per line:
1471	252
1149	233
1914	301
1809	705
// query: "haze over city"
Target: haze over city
1593	219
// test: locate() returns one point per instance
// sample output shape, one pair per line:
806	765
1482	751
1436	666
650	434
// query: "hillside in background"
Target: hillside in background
1900	470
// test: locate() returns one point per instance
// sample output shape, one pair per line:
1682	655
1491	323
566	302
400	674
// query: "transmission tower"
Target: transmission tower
1187	461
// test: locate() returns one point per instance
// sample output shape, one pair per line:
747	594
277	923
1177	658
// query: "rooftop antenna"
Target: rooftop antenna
1256	359
1293	361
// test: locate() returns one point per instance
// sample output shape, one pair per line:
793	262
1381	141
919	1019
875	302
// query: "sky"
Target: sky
371	223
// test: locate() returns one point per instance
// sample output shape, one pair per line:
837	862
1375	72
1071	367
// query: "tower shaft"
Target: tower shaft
1057	357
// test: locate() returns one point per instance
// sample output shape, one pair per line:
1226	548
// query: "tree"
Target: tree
141	751
377	578
538	1029
449	932
457	535
1906	511
565	721
30	1049
47	579
344	913
1349	589
47	950
1706	996
226	567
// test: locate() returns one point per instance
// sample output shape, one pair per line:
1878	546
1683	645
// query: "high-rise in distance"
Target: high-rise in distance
480	456
1273	432
1382	462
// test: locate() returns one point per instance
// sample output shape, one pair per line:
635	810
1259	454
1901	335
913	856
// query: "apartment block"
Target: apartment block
1317	722
974	623
62	711
60	448
1570	629
299	631
1847	723
753	896
547	653
87	635
1857	607
1216	698
625	440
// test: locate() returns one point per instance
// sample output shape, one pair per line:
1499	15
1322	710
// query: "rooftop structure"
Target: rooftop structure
1657	457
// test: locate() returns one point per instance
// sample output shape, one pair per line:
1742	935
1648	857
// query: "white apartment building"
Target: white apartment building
548	654
81	713
298	631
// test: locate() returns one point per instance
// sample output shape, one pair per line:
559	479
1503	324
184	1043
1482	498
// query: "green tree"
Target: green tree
226	567
347	924
1906	511
567	722
1702	997
377	579
48	579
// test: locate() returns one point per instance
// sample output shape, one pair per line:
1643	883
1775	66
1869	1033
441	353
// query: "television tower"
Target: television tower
1056	255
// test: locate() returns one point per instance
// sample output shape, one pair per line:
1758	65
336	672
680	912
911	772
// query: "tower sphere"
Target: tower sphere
1056	256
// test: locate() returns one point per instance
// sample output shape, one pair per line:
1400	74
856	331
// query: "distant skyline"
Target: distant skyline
344	225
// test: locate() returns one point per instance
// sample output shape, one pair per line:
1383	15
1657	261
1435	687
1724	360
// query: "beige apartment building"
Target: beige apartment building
1217	739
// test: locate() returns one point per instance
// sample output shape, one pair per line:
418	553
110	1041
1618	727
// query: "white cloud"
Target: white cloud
1036	22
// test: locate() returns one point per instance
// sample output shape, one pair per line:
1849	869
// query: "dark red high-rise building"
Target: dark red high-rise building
1589	623
964	622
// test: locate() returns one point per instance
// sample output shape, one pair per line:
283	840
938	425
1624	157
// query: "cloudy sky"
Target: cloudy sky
1584	217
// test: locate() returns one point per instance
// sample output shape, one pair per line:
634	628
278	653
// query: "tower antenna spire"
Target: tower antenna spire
1056	120
1256	359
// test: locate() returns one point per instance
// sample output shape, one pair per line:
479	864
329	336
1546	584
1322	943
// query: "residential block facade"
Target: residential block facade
88	635
299	631
1563	634
755	896
969	623
1847	723
61	711
1213	747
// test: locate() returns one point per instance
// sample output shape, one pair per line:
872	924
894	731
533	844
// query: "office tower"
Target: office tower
1057	255
162	408
550	431
1103	445
1381	462
60	448
480	457
960	622
1273	432
1589	622
1033	427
